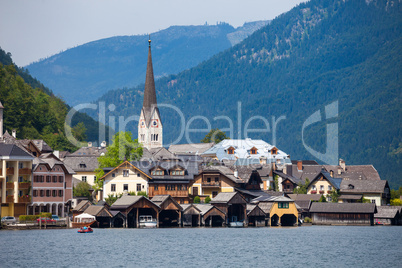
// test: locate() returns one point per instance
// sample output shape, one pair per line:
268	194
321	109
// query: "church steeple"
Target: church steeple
150	125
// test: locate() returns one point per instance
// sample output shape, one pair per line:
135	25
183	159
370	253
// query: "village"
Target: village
233	183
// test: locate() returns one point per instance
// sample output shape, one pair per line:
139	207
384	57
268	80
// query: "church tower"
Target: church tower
150	131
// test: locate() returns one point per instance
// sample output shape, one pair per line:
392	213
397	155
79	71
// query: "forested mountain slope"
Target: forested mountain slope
85	72
318	53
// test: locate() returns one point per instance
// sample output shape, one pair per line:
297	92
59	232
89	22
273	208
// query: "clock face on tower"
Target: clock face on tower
155	123
142	123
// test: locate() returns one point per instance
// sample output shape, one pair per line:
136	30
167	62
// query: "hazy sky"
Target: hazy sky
34	29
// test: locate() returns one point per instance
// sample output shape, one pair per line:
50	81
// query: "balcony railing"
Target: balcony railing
24	199
211	184
322	191
10	199
313	192
9	185
24	185
24	171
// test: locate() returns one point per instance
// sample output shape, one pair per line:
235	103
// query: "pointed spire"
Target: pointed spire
149	91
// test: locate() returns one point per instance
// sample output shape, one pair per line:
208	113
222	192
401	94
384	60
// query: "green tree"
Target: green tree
197	200
334	196
82	189
302	188
207	199
276	183
215	135
322	199
79	131
122	148
396	202
112	198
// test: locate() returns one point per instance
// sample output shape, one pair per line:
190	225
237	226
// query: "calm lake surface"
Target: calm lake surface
312	246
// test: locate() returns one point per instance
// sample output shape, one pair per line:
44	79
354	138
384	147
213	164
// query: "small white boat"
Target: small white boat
235	223
147	222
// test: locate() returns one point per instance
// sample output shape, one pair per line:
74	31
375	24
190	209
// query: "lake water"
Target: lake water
310	246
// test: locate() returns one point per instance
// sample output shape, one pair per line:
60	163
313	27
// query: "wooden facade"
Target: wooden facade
343	218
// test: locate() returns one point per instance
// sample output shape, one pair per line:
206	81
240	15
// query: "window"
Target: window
157	172
321	187
156	187
208	179
42	193
329	199
54	193
167	187
60	193
216	179
35	193
138	187
329	187
125	187
84	178
47	193
48	178
113	188
113	175
20	165
373	201
82	165
138	174
20	179
125	173
60	178
313	188
54	178
179	187
214	193
230	150
283	205
20	193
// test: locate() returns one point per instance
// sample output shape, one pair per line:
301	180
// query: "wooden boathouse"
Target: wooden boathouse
343	213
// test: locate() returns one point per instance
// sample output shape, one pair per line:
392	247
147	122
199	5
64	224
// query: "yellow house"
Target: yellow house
214	180
124	178
15	180
324	184
282	210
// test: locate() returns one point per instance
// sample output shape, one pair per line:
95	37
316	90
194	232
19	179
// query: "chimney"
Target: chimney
299	165
342	164
103	144
89	144
236	173
14	133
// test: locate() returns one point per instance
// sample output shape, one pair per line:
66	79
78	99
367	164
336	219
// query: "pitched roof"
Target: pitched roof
271	199
335	182
95	210
42	146
360	186
157	154
318	207
304	197
51	162
190	148
355	172
95	151
224	170
161	199
13	151
81	163
265	206
126	201
350	196
81	206
223	197
386	213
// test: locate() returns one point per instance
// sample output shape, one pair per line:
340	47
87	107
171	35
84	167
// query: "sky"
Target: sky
35	29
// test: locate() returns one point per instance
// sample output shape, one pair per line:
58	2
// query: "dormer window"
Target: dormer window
177	172
274	151
351	187
82	165
230	150
253	150
157	172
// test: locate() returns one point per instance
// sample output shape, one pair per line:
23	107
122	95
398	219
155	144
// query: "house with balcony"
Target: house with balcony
324	184
15	180
52	188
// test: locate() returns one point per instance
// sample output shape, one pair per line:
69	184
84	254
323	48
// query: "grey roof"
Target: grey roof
265	206
126	201
94	210
82	204
303	204
224	170
190	148
96	151
255	193
157	154
204	208
317	207
350	196
82	163
307	172
336	182
160	198
363	186
304	197
223	197
51	162
271	199
42	146
355	172
295	180
386	213
11	150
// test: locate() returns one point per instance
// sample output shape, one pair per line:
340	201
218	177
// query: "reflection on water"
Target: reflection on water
328	246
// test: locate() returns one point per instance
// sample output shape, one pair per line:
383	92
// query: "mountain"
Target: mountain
84	73
346	53
34	111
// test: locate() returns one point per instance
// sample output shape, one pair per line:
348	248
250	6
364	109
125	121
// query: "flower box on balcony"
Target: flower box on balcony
10	185
10	199
313	192
329	192
321	192
24	185
24	199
